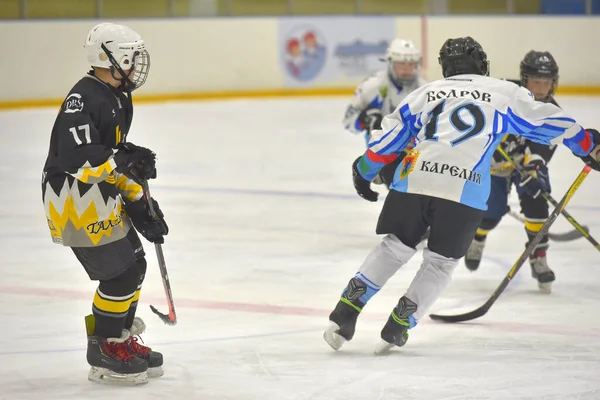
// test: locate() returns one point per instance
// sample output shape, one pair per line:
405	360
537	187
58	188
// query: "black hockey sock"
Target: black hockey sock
485	227
112	302
132	308
141	265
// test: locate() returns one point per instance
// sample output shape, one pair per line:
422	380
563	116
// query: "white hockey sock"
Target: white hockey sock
433	277
383	262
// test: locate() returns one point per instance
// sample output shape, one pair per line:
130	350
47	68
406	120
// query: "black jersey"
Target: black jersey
81	190
521	150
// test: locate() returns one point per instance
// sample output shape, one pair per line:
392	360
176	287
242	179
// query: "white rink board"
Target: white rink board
43	58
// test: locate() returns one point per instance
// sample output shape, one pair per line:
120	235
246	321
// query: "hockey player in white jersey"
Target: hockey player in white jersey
444	182
380	93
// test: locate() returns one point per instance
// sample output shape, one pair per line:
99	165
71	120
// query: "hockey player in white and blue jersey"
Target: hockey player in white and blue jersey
444	182
380	93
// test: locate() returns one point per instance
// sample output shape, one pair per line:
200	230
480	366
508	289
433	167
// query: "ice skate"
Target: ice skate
153	358
540	271
474	253
342	320
110	360
395	331
342	323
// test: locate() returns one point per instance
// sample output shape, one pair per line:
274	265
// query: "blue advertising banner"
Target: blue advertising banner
316	51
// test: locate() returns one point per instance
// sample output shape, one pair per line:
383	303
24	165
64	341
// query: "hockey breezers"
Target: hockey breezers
582	230
555	237
171	318
481	311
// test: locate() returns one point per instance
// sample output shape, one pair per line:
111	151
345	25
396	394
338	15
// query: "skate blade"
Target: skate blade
155	372
333	339
545	288
383	348
108	377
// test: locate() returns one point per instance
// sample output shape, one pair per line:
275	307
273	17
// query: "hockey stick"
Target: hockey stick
481	311
171	318
551	200
556	237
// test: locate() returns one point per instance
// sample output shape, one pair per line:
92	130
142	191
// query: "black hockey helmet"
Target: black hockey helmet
539	64
463	56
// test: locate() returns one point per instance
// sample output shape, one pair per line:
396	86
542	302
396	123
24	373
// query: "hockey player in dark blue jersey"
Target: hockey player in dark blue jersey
539	74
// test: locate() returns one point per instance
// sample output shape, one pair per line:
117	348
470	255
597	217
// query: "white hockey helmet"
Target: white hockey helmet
119	48
403	51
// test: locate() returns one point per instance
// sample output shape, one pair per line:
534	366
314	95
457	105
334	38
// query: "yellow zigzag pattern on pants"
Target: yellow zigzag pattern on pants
86	222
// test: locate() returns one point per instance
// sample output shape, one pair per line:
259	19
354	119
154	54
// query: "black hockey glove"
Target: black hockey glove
152	229
593	159
362	186
370	119
135	162
537	180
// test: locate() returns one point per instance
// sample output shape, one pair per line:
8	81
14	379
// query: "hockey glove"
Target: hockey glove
593	158
362	186
370	119
152	229
135	162
537	180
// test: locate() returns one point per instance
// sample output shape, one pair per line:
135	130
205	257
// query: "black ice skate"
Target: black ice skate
474	253
540	270
395	331
110	360
153	358
342	320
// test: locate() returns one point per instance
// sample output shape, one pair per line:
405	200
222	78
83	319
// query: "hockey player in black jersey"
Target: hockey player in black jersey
539	74
92	197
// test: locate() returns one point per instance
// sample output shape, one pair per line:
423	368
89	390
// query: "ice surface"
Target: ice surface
265	232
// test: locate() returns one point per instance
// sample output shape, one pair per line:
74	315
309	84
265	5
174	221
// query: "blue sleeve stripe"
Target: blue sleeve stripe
564	119
514	127
495	123
377	102
408	118
553	128
399	142
504	123
384	136
514	117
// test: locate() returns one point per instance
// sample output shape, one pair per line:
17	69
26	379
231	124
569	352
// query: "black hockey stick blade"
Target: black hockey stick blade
567	236
471	315
167	319
481	311
555	237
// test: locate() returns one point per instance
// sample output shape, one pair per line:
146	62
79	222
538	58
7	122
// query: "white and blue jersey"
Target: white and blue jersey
376	91
457	123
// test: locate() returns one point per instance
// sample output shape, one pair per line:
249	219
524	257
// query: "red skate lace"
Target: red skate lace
118	351
137	348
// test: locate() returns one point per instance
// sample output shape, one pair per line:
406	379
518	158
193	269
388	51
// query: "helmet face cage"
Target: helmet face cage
141	68
538	64
410	55
137	73
398	80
